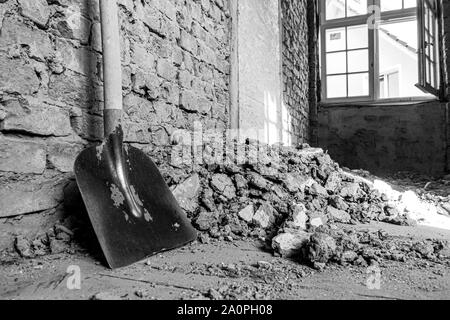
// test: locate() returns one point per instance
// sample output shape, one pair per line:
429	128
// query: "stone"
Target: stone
247	213
34	117
290	245
23	247
349	256
351	192
223	185
339	203
107	296
317	219
58	246
295	182
338	215
333	182
16	33
318	191
265	216
37	11
62	156
321	248
257	181
425	248
17	197
205	221
17	77
187	193
22	156
299	217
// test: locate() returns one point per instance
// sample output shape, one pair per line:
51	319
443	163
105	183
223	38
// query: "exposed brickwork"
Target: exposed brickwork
175	57
296	65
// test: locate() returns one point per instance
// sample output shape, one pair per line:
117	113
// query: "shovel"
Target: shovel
132	210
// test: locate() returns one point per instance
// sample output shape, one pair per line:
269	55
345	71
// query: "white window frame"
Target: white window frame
373	96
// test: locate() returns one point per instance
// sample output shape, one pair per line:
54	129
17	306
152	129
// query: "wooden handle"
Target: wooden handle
112	70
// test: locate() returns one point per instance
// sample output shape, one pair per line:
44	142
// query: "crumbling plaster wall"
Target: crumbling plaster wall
391	138
175	57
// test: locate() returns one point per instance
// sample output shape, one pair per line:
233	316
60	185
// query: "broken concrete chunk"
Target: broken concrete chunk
223	185
318	191
257	181
338	215
351	192
187	193
333	182
321	248
205	221
265	216
317	219
247	213
299	217
289	245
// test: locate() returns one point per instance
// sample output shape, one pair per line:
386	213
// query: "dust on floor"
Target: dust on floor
229	270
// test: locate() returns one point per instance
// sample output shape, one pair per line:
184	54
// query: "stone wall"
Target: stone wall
175	57
295	59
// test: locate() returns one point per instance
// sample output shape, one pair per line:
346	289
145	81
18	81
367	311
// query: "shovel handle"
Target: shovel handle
112	68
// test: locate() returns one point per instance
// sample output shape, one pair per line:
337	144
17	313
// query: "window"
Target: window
379	49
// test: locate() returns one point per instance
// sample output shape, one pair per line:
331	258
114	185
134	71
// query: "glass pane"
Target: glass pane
356	7
336	63
400	32
388	5
358	85
335	39
337	86
398	55
358	60
357	37
335	9
410	4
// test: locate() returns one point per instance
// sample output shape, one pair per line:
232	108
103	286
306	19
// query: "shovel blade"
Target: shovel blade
107	179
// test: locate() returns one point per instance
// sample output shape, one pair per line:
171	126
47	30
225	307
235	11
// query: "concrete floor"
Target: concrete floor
191	272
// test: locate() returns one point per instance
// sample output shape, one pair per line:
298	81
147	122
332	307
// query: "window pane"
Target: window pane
358	60
335	9
358	85
337	86
398	55
410	4
335	39
388	5
356	7
336	63
357	37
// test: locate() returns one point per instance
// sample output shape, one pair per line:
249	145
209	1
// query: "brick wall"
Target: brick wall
295	61
175	57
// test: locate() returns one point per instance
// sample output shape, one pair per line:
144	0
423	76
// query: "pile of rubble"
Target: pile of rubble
293	199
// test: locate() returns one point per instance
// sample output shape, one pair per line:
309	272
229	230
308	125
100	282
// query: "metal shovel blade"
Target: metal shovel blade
132	210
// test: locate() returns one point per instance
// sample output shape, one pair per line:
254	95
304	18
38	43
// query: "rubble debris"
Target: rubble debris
289	245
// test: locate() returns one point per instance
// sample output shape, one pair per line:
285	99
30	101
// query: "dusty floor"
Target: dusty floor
238	270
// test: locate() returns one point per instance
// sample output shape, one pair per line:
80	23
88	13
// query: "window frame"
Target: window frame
373	46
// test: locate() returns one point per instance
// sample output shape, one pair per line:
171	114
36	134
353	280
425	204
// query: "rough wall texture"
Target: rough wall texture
386	139
295	59
175	70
